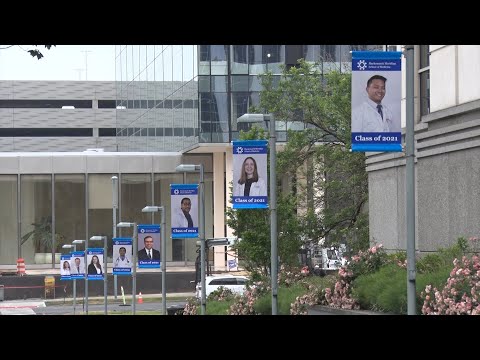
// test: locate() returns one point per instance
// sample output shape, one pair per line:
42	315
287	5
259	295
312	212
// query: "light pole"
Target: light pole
105	275
201	228
252	118
114	211
163	254
74	246
410	180
134	259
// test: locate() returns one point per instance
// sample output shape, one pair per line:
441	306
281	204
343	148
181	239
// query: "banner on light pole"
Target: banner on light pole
148	255
65	268
376	101
184	210
122	256
250	174
95	270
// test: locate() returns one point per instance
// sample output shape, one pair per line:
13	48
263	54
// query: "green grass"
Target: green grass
217	307
286	296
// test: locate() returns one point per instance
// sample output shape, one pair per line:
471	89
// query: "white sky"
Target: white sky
63	62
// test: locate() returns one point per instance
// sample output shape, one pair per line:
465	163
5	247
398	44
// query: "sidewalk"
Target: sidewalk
119	299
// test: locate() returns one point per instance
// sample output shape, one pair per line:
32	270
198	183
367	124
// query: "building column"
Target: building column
219	209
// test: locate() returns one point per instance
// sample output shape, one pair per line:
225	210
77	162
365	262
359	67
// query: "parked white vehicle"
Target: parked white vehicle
236	283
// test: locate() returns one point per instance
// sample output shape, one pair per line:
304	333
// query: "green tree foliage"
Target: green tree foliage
335	186
253	226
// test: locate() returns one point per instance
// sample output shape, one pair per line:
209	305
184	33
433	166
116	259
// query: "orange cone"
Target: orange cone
140	298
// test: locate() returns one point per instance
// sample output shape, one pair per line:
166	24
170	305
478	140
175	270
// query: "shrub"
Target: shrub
461	292
364	262
191	306
221	294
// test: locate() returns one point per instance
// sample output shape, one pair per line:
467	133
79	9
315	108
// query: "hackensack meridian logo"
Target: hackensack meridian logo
362	65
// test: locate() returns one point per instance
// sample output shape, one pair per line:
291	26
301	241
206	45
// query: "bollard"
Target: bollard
20	267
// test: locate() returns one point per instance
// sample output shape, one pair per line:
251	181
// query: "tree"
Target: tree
33	52
331	182
253	226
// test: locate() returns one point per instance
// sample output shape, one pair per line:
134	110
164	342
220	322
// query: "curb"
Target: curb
336	311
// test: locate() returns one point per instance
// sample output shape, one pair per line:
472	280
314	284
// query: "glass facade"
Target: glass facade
47	222
170	97
157	97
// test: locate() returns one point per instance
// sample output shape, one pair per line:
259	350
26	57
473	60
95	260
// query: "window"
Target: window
424	74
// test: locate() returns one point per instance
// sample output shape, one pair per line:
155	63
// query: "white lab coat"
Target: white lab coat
180	221
367	119
125	263
257	189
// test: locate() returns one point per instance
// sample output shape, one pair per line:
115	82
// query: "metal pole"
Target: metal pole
164	263
86	277
74	287
273	215
114	234
105	275
202	242
134	279
410	180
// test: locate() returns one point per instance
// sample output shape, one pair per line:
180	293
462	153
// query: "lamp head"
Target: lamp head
187	168
151	209
124	224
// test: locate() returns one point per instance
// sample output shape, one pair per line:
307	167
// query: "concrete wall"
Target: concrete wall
447	182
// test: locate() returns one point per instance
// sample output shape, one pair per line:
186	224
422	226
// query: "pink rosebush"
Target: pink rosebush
461	293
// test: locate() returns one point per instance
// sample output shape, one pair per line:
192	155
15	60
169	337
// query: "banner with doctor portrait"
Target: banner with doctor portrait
65	268
250	174
77	265
184	210
376	101
95	269
122	256
148	248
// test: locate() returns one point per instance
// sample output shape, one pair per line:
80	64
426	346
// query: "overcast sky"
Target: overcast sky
63	62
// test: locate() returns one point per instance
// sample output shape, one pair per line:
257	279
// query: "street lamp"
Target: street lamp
105	275
134	258
163	255
201	228
251	118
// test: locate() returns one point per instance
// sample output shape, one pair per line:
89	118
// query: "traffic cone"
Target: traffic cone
140	298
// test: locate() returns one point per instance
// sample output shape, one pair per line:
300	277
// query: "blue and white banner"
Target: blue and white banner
122	256
376	101
65	273
184	210
148	256
95	270
250	174
77	265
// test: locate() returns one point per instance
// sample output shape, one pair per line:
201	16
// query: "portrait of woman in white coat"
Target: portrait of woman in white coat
249	182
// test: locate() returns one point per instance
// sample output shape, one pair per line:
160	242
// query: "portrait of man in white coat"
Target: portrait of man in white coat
372	114
182	216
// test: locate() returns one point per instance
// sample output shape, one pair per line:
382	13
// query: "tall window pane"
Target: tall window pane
36	218
100	216
8	224
70	207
